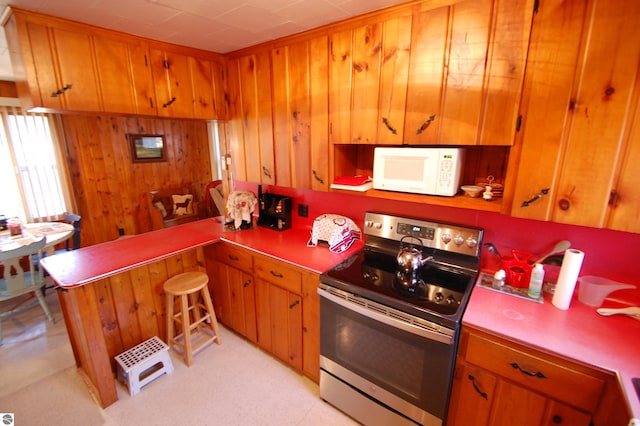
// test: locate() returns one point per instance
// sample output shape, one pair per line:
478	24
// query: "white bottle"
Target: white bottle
535	284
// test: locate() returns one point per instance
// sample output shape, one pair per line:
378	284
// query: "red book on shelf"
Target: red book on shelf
352	180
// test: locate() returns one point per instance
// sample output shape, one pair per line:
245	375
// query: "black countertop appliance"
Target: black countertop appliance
274	210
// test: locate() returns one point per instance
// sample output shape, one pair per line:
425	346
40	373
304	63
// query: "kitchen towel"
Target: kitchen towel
567	278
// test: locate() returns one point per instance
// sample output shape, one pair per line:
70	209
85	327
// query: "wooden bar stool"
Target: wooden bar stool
194	314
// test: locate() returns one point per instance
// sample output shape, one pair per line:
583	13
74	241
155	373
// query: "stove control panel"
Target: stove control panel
441	236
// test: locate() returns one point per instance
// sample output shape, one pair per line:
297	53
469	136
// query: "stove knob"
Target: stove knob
471	242
438	297
377	225
368	223
446	238
451	300
459	240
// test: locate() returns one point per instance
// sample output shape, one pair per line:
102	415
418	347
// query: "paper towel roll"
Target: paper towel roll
567	278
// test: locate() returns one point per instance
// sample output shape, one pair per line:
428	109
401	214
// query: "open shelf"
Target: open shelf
458	201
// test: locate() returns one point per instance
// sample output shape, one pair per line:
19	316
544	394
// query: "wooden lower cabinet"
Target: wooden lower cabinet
270	303
498	382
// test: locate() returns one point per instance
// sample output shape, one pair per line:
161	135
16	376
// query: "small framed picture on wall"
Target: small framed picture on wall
147	148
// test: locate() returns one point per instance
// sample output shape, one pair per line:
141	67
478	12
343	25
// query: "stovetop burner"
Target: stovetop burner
438	291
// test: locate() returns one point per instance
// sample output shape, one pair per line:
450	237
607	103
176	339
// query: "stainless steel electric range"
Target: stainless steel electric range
390	317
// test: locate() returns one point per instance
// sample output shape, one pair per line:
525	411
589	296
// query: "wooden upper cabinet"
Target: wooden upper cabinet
124	89
54	67
435	75
172	80
578	162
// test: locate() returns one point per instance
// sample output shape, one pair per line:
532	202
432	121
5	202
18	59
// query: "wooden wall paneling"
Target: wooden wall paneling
340	80
84	326
234	147
367	47
299	89
464	88
144	303
125	306
319	113
281	116
426	75
219	89
265	117
108	186
250	107
108	318
158	274
394	77
508	47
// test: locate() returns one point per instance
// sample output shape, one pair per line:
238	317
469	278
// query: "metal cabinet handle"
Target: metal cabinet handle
266	172
318	178
172	100
291	306
276	274
539	195
426	124
477	388
60	91
234	258
393	130
247	283
538	374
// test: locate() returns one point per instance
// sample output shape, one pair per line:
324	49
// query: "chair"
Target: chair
75	220
21	278
214	199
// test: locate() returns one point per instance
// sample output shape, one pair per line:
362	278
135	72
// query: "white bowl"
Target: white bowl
472	191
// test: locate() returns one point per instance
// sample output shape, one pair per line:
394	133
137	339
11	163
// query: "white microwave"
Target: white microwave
431	171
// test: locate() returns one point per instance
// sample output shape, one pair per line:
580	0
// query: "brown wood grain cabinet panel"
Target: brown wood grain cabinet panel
319	133
340	81
282	116
367	51
311	326
115	78
172	82
394	76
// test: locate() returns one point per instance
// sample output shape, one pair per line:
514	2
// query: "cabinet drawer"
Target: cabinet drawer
554	380
237	258
279	274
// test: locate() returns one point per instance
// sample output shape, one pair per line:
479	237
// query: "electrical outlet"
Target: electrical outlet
120	231
303	210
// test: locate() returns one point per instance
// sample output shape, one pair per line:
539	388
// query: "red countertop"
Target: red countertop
579	333
89	264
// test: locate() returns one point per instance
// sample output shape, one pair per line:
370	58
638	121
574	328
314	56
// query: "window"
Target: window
32	172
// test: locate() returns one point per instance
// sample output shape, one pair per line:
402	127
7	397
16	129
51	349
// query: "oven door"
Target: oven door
402	362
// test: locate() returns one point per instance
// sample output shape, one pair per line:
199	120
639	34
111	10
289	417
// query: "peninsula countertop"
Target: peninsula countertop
92	263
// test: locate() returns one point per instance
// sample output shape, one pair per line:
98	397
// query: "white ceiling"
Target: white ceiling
216	25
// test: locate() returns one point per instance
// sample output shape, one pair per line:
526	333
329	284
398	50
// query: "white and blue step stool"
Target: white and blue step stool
143	363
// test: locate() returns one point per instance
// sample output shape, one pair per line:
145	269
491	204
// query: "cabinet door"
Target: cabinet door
426	76
319	120
581	85
115	77
286	325
142	80
173	88
394	76
202	88
340	75
473	392
242	303
560	414
254	115
367	42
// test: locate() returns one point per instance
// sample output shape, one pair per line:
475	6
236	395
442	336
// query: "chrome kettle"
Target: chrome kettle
410	258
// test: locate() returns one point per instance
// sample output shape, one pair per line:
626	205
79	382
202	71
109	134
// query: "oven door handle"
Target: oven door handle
385	319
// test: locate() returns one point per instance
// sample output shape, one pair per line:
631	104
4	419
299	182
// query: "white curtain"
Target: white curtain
32	169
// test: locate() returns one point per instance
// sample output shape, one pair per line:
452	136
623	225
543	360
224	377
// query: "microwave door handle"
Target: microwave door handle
374	315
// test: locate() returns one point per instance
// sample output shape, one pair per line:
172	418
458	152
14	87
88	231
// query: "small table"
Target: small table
54	232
